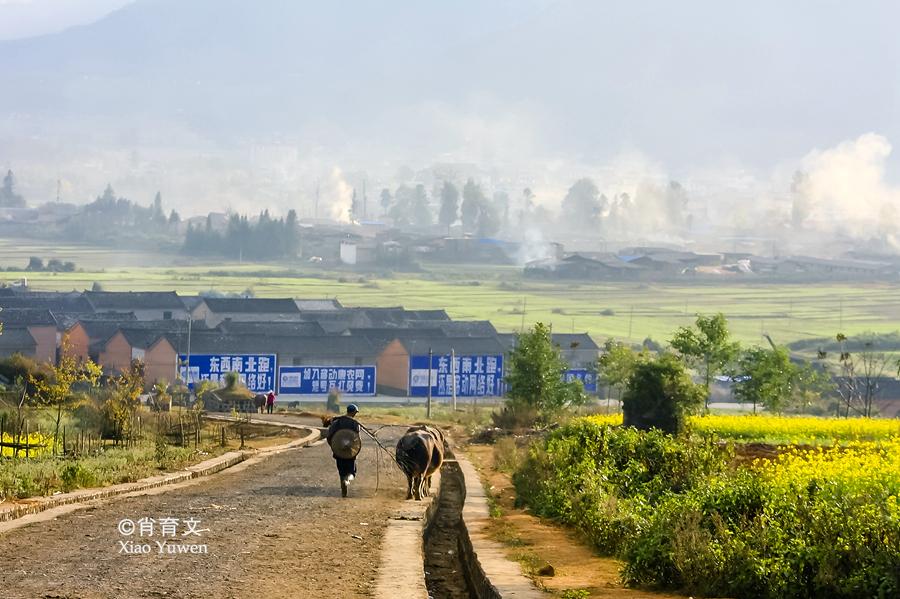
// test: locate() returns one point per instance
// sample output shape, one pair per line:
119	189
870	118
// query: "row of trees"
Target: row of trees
266	239
410	206
36	264
120	216
584	209
657	389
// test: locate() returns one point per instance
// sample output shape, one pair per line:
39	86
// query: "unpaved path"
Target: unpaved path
277	528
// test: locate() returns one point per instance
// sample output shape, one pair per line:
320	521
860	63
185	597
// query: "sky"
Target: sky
244	103
26	18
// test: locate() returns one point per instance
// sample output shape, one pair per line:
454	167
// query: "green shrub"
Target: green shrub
683	515
660	394
74	476
606	480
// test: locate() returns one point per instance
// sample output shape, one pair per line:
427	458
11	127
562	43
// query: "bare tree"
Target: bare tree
861	373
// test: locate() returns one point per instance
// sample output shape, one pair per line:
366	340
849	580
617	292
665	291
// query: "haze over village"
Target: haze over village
481	299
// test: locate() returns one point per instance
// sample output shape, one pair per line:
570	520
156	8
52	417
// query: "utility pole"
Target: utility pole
188	365
365	209
316	213
453	376
428	404
524	309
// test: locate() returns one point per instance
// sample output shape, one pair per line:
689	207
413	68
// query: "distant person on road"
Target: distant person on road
270	402
343	438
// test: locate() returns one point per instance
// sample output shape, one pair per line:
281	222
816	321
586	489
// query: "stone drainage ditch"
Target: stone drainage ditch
445	570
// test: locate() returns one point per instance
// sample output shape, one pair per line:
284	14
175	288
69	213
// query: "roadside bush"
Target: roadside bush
660	394
333	403
515	417
74	476
683	514
606	480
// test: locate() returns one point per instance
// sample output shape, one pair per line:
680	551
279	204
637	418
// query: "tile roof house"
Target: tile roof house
281	328
17	340
291	350
214	310
146	305
149	346
61	303
580	267
318	304
40	324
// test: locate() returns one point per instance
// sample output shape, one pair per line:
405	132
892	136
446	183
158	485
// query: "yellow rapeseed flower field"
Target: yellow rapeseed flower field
795	429
790	430
40	444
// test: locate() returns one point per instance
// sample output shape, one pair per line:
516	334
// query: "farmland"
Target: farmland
633	311
682	513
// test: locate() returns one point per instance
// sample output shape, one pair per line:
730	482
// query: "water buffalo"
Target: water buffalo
259	402
420	453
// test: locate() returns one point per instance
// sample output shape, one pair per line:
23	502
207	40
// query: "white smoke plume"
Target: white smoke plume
847	190
336	197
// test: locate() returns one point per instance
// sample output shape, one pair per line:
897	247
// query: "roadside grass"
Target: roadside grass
22	478
467	417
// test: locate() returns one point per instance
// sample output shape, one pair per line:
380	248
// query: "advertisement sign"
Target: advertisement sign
311	380
475	376
257	371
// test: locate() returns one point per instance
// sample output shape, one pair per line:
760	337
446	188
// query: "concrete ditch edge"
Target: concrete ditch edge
488	571
204	468
401	572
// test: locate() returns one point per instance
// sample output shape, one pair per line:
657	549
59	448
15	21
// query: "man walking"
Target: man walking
270	402
343	438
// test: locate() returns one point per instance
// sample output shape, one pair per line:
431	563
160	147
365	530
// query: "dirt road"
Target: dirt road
277	528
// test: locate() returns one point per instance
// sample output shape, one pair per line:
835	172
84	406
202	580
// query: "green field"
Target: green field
499	294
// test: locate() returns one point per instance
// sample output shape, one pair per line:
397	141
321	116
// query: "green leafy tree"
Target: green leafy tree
122	403
56	391
401	209
706	347
660	394
766	377
581	208
35	264
617	364
8	195
449	205
157	214
421	215
473	200
488	220
535	376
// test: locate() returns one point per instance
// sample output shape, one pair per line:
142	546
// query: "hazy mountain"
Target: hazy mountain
678	80
691	85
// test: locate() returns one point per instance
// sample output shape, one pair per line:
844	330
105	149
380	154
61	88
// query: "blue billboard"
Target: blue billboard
311	380
587	378
474	376
257	371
